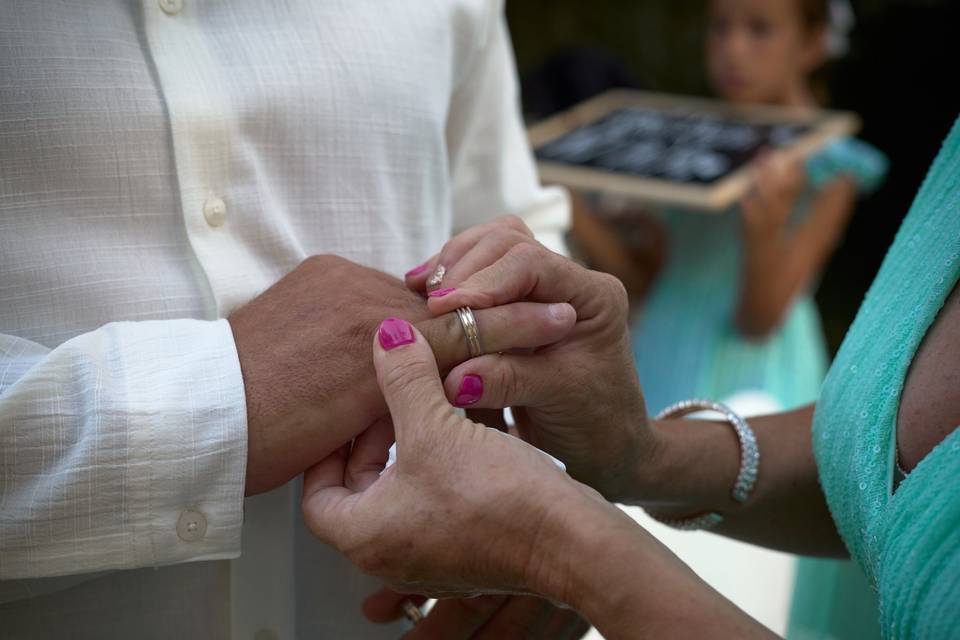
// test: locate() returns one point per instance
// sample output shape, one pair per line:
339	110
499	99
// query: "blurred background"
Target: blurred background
899	75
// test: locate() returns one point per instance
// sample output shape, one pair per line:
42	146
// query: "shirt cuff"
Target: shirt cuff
188	432
132	450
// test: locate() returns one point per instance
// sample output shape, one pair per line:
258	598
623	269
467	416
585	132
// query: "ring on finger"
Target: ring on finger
412	612
436	279
470	331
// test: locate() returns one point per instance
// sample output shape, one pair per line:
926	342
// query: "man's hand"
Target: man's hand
305	355
490	617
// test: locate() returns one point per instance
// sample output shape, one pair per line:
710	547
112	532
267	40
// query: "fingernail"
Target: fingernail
417	270
559	312
439	293
471	388
394	332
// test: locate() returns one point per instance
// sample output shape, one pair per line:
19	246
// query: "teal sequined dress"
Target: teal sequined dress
907	541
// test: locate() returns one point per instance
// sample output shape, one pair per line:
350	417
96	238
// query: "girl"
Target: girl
731	309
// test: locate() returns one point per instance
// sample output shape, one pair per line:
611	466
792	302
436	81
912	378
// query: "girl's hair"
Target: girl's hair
815	14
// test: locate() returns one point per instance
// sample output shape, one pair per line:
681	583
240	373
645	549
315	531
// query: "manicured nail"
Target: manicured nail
471	388
395	332
439	293
417	270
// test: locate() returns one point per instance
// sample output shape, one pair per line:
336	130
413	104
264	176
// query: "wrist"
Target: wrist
692	467
617	576
558	567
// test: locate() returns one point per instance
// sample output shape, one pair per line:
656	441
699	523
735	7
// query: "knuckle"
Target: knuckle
616	293
448	247
525	252
516	223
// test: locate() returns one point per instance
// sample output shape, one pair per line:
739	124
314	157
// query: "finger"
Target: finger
532	273
521	325
485	252
425	277
324	494
369	455
498	381
460	244
386	605
416	278
456	618
530	617
408	378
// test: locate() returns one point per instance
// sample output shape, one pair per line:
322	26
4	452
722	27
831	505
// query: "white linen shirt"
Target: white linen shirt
161	163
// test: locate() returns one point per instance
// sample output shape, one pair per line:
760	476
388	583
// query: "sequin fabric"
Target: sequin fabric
907	542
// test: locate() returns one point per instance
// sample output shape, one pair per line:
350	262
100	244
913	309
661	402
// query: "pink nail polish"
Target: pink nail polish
471	388
394	332
439	293
417	270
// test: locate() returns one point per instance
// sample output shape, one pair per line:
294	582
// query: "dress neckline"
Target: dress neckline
897	477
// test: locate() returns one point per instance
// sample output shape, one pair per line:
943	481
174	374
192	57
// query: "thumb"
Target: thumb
408	377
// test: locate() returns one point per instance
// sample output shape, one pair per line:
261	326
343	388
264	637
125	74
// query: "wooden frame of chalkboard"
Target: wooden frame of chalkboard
814	129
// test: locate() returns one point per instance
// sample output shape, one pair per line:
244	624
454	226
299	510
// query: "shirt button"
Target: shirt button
191	526
171	7
215	211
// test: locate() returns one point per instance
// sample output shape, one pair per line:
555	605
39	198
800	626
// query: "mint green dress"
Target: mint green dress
687	320
907	542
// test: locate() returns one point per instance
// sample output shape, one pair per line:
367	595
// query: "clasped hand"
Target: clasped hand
468	509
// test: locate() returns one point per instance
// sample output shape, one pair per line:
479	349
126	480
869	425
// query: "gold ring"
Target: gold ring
413	613
472	332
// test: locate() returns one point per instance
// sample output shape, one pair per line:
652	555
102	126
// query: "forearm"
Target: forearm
694	467
631	586
779	264
769	281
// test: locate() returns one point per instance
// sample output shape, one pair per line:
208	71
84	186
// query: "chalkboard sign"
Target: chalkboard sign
673	150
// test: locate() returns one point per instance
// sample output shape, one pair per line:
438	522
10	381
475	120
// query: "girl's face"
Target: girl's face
760	50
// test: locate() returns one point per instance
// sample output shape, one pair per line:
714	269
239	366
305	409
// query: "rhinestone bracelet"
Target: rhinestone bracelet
749	460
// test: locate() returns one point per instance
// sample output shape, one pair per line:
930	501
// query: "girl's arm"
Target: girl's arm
606	250
781	260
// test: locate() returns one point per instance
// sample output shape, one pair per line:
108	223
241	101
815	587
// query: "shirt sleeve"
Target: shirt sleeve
491	163
123	447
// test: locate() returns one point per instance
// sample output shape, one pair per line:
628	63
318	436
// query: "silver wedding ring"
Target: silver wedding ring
471	331
412	612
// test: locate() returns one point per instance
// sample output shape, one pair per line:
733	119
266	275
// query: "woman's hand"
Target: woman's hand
579	398
468	509
465	509
470	251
